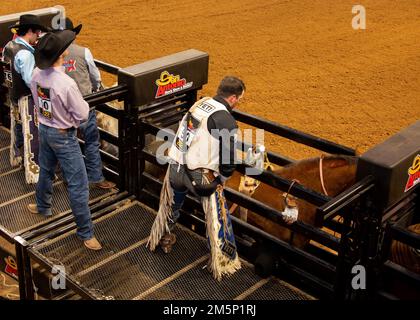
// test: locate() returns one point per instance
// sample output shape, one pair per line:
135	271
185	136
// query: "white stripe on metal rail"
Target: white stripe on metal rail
251	290
171	278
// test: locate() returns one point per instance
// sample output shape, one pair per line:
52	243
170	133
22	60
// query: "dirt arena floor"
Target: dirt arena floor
303	64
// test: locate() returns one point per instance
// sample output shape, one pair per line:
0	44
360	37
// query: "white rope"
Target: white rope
321	175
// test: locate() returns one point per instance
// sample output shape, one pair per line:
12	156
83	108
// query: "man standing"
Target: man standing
61	109
19	54
202	158
80	66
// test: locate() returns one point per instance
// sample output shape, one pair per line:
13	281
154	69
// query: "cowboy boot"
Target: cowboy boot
167	241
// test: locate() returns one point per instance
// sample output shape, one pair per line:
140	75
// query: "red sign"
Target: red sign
11	267
413	174
169	84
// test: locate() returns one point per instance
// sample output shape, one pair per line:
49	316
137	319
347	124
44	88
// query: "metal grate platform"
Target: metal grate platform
12	186
128	229
4	138
15	195
5	161
126	269
275	289
16	219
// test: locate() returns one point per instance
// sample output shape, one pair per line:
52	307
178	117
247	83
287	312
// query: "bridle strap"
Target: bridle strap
290	188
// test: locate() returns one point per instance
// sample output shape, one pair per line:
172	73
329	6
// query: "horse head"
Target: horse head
330	174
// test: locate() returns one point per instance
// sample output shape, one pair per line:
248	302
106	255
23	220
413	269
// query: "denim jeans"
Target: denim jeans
18	136
63	147
180	184
90	133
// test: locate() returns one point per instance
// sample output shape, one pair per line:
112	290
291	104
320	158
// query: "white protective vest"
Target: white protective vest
202	148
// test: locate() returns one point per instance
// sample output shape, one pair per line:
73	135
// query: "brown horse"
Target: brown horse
405	255
338	173
409	258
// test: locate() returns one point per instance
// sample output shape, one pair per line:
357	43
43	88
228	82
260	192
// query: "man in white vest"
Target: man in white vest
80	66
202	158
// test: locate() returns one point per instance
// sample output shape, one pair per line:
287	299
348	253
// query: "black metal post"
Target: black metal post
30	292
21	272
141	158
342	281
26	289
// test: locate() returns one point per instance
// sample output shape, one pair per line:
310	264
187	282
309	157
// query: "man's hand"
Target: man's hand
222	179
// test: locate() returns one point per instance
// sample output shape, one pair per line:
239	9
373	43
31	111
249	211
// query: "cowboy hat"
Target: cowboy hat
51	47
29	20
69	26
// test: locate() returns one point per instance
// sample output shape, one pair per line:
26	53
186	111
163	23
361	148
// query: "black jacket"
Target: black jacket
221	120
19	88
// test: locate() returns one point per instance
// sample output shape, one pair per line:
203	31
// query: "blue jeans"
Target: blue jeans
180	184
89	131
18	136
63	147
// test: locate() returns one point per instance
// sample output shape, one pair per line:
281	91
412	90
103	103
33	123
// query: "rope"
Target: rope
321	175
290	188
233	208
267	165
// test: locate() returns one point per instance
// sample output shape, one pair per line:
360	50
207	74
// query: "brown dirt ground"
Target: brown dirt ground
303	64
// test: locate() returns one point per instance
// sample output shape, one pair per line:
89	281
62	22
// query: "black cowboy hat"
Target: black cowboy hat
29	20
69	26
51	47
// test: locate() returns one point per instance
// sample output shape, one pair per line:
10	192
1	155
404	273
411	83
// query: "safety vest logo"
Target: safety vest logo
187	133
8	78
70	65
169	84
44	102
413	174
11	267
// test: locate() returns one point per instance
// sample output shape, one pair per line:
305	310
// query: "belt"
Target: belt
207	172
66	130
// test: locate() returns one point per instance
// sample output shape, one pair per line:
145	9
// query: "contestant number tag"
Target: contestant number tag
44	103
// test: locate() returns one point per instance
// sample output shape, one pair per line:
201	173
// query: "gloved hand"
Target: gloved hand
290	214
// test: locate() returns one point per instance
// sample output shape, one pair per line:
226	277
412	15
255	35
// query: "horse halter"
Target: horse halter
321	174
291	203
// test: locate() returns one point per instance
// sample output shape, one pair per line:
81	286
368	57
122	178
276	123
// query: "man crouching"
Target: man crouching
202	158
